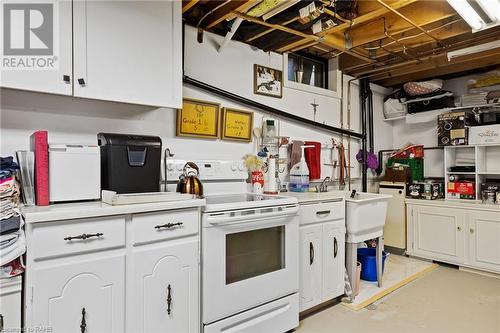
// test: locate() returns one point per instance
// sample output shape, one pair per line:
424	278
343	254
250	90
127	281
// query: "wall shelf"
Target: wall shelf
484	157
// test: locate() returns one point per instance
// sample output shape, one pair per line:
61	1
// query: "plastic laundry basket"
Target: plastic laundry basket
368	259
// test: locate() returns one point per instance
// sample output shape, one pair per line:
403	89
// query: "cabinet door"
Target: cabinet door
128	51
166	289
439	233
484	240
86	296
310	266
50	79
333	261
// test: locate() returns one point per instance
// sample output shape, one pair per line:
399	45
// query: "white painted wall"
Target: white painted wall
73	120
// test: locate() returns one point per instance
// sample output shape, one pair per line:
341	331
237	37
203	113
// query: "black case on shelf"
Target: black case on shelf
130	163
429	102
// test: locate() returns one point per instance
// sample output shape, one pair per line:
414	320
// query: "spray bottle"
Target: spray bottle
299	174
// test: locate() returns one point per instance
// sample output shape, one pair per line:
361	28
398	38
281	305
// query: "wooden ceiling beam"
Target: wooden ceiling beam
409	21
187	5
377	67
423	14
357	21
419	43
263	33
440	66
226	12
328	40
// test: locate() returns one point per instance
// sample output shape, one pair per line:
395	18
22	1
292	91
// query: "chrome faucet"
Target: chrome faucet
323	187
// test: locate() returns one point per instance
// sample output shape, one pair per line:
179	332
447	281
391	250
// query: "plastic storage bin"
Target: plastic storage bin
368	259
416	166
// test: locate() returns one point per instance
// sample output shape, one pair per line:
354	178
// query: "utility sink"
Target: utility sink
365	216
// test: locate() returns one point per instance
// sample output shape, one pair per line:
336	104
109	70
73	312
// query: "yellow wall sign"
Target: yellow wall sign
237	124
198	119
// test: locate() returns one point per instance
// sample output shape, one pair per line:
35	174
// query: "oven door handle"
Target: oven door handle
223	220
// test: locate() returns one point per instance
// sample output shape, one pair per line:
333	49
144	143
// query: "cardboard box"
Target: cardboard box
489	134
452	128
415	190
462	188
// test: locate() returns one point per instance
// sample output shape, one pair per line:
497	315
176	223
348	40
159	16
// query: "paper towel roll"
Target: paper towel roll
270	184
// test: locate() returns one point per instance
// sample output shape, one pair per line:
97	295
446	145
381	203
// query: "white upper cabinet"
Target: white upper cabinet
48	79
122	51
128	51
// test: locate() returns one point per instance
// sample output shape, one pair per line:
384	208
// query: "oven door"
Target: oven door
250	257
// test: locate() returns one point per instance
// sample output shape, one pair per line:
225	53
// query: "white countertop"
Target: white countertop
309	197
66	211
454	203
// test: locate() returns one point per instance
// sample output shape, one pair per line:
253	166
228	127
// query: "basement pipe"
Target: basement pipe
364	166
371	140
251	103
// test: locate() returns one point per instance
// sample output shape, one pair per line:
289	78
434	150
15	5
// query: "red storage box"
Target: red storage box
415	151
462	188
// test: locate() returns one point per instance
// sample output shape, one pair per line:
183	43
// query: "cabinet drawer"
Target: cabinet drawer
322	212
157	226
55	239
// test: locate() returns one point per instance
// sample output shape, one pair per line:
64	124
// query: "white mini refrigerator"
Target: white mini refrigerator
395	223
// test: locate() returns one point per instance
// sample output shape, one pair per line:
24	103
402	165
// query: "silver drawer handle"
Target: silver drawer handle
323	213
83	236
169	225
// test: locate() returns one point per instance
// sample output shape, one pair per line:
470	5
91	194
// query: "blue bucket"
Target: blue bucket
368	258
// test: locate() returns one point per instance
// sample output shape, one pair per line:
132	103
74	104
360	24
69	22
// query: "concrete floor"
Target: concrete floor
444	300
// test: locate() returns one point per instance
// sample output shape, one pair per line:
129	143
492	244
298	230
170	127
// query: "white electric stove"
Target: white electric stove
249	252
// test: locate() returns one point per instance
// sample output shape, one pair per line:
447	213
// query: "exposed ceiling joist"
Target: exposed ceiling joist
188	4
265	32
440	66
406	67
422	14
357	21
409	21
327	40
226	12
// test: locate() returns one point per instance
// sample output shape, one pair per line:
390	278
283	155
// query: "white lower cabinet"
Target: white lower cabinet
84	296
310	266
439	233
10	304
484	239
466	236
109	282
333	260
165	288
322	253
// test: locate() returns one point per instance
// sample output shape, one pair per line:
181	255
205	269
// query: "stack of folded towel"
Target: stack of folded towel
12	240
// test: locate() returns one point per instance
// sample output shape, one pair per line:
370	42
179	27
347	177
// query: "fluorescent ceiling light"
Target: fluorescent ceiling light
465	10
473	49
491	8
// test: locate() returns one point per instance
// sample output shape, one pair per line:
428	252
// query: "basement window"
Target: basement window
308	70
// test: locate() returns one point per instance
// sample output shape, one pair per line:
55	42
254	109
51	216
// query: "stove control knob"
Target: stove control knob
234	167
241	167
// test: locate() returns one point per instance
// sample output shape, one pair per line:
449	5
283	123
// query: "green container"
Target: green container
416	166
